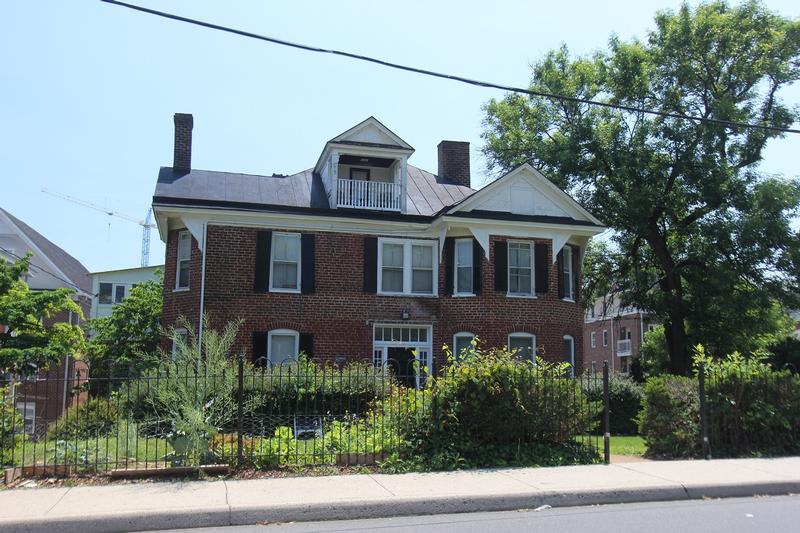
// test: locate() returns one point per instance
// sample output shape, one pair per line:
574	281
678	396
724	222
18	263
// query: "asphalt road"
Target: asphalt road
736	515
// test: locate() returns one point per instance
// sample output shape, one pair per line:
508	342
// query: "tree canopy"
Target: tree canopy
128	339
701	236
33	337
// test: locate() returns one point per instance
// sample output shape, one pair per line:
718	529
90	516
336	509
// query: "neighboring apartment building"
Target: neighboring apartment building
364	256
111	287
50	268
613	333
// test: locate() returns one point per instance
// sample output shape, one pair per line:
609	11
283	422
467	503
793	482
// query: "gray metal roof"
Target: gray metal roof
71	267
427	195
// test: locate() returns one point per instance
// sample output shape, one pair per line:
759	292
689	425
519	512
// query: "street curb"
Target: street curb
387	507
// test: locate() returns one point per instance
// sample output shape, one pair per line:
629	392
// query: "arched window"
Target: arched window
282	346
462	344
524	344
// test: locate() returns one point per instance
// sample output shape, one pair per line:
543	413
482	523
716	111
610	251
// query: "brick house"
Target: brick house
43	396
365	256
614	333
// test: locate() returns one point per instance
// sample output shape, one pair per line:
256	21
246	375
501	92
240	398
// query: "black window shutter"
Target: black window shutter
477	263
542	267
576	270
560	271
307	278
371	264
306	344
501	266
449	265
259	355
263	250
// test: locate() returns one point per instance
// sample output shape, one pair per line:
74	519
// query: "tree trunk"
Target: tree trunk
672	290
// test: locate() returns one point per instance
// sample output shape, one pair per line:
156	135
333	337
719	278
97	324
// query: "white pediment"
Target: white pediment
371	131
525	191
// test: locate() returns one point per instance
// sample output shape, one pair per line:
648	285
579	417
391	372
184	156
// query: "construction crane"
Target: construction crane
146	224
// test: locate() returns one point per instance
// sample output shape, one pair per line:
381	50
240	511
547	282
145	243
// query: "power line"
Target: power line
41	269
726	123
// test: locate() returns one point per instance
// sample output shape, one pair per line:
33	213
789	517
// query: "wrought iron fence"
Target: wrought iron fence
298	414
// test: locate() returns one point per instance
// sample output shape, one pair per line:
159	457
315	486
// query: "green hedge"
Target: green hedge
669	421
491	409
625	401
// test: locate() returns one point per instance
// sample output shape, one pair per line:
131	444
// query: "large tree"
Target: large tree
127	341
30	335
697	227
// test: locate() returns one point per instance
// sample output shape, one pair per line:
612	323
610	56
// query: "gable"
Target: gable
525	191
371	131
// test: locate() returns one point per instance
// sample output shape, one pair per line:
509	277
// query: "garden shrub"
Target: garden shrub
96	417
752	408
490	409
669	421
11	427
624	401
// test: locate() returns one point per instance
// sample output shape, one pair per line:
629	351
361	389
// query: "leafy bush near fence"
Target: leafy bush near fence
669	421
752	408
624	399
490	409
93	418
11	424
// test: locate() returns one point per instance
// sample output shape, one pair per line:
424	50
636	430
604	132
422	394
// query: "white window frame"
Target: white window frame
571	355
179	260
28	412
531	249
181	332
471	266
272	262
593	337
408	244
569	287
99	285
605	337
282	332
527	336
114	293
461	334
424	349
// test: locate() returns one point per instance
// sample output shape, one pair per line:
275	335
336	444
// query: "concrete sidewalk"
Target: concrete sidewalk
172	505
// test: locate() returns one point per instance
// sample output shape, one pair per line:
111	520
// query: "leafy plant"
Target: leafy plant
96	417
625	399
11	426
670	418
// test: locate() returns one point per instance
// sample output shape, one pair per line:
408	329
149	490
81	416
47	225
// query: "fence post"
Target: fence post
240	414
606	417
701	379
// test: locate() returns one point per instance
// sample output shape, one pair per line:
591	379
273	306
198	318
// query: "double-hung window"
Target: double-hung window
524	345
184	260
407	267
520	270
285	262
463	266
568	280
605	337
594	339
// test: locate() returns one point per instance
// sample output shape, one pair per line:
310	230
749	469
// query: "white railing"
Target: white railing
360	194
624	347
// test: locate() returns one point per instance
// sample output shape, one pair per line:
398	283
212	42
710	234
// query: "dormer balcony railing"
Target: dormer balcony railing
362	194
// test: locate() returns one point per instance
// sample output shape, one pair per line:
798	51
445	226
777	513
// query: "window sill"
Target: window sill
463	295
181	289
570	300
285	291
523	296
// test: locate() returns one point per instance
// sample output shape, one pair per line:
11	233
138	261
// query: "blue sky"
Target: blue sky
88	91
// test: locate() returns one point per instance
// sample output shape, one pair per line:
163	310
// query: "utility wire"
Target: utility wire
726	123
40	269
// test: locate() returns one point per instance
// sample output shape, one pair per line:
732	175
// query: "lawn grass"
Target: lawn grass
620	444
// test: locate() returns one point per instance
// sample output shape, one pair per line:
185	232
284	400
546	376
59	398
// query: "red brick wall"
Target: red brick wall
341	315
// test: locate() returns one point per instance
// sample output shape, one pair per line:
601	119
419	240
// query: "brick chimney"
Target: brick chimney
454	162
183	141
